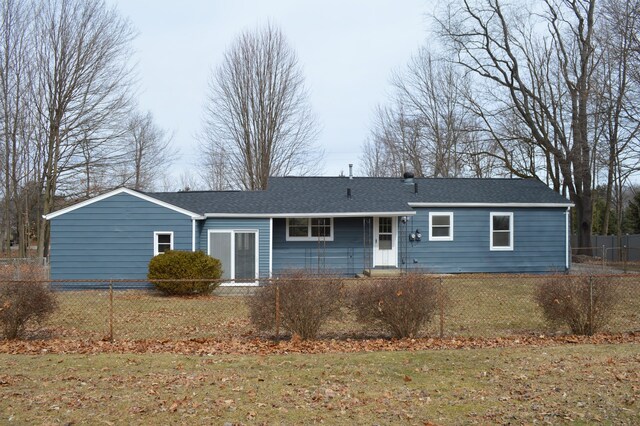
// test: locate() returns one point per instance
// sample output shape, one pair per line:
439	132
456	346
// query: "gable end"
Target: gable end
131	192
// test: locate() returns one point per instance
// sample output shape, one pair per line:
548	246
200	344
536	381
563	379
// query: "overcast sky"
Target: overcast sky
347	50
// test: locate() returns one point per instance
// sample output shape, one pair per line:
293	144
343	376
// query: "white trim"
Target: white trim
120	191
329	214
232	273
567	239
193	235
155	241
511	231
309	237
270	247
506	205
255	283
447	238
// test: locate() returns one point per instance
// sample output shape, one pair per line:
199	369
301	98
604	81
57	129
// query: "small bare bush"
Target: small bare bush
305	303
22	304
583	303
401	305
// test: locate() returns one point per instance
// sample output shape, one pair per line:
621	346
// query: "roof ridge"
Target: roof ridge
400	178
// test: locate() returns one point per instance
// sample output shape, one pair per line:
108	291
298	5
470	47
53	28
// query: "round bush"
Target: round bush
184	265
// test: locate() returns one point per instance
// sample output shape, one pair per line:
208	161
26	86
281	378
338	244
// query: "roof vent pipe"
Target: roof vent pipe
350	171
349	193
415	187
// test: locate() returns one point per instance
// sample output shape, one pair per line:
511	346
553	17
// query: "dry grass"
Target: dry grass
585	384
483	306
145	315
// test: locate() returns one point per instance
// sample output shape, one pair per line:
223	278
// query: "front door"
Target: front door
384	241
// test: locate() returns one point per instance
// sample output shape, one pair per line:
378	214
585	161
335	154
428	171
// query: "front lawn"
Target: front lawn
553	384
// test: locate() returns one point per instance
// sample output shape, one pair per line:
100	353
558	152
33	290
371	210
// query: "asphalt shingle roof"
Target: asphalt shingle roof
310	195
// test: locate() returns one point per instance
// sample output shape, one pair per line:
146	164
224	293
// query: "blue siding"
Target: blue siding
539	242
112	238
261	224
347	253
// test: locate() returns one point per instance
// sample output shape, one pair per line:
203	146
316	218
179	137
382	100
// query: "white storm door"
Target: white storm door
385	251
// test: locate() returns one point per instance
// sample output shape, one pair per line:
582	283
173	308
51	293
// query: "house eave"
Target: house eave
317	214
496	205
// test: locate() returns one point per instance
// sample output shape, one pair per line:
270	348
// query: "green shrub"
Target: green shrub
583	303
401	305
306	302
23	303
184	265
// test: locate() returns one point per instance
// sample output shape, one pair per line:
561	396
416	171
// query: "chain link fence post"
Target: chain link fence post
277	313
441	306
590	323
111	311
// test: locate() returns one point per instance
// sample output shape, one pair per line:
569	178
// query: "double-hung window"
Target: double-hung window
162	241
501	236
440	226
309	229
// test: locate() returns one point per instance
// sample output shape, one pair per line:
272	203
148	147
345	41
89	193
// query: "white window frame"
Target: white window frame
232	272
437	238
155	241
511	231
309	237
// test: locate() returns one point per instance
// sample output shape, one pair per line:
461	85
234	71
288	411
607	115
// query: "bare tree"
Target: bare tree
257	112
148	153
430	129
433	95
395	145
502	47
374	158
16	120
616	99
213	166
83	87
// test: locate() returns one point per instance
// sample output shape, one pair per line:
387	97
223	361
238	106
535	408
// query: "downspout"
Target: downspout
270	247
568	238
193	234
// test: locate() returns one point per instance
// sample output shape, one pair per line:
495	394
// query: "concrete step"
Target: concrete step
383	272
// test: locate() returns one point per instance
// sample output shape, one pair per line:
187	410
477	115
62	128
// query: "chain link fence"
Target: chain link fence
472	306
14	268
607	259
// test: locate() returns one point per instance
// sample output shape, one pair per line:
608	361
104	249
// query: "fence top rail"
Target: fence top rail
480	277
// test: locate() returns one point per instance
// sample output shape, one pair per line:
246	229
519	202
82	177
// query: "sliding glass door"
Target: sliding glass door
245	255
237	251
